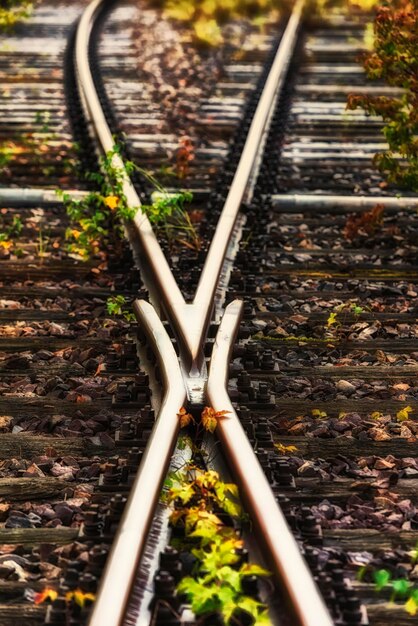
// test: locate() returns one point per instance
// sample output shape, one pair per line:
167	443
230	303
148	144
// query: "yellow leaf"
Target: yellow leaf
208	32
403	414
411	607
209	421
6	244
210	418
80	597
318	413
285	449
111	202
332	319
376	415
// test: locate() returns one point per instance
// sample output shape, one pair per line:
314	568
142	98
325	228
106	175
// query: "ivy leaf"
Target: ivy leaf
251	606
381	579
196	519
262	619
232	508
208	31
203	597
184	493
230	576
401	587
210	418
46	594
222	554
209	421
252	569
185	418
227	602
208	480
182	11
176	516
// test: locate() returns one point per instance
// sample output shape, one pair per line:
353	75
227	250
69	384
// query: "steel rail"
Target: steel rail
325	201
100	130
191	321
29	197
122	564
280	547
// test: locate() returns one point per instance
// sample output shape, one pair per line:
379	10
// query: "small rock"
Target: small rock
44	355
18	363
345	386
18	521
378	434
33	470
308	470
64	513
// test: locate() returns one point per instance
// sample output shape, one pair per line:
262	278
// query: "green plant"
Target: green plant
44	119
394	59
42	244
334	319
401	588
97	219
116	305
168	214
216	586
208	510
10	233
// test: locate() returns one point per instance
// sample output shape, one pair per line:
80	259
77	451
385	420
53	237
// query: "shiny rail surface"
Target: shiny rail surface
190	323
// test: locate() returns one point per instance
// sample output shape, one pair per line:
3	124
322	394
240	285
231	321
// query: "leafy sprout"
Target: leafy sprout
200	499
116	305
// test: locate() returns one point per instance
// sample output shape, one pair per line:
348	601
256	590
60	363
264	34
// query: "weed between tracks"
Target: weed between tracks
206	518
97	220
400	588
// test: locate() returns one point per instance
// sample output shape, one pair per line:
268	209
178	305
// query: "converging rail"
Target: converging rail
190	322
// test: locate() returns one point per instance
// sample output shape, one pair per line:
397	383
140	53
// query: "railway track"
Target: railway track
302	439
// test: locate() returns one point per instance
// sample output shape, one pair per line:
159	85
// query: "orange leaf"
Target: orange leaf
185	417
210	418
46	594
